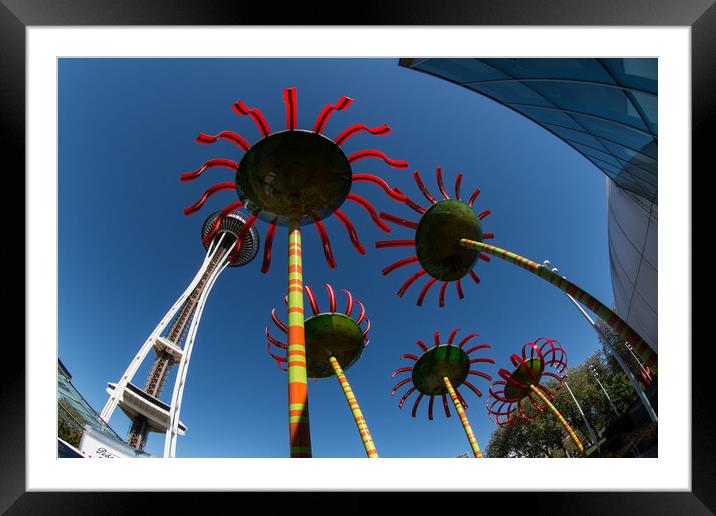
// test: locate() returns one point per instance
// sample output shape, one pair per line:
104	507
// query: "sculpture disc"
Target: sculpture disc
331	334
299	172
437	362
437	239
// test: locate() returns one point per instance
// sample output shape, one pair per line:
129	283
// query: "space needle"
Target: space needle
172	340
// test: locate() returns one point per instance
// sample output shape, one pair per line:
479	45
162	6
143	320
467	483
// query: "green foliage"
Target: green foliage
69	423
68	432
545	436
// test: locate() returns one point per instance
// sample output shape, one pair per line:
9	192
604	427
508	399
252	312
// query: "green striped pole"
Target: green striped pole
463	418
298	424
355	409
648	355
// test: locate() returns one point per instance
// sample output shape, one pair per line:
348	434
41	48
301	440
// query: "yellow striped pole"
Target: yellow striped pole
298	424
648	355
463	418
561	419
355	409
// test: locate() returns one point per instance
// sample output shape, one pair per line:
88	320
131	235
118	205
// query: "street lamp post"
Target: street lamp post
641	366
596	377
592	433
610	349
607	315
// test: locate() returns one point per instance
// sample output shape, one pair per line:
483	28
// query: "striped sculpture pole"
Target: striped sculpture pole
613	320
365	436
298	424
331	338
278	195
530	366
559	416
463	418
440	371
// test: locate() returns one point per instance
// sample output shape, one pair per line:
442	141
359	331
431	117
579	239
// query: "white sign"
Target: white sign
98	445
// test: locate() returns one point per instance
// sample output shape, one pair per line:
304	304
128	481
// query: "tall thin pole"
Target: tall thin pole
613	320
634	382
170	438
610	349
592	433
604	337
641	366
596	377
298	424
559	416
463	419
365	436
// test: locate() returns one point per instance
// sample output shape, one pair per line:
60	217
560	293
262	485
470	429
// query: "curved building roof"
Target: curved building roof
606	109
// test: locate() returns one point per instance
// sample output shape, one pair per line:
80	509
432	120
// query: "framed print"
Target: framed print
101	106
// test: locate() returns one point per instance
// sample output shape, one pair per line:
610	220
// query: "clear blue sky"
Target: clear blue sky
126	251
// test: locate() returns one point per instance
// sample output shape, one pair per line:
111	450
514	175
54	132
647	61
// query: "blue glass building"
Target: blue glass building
80	412
76	412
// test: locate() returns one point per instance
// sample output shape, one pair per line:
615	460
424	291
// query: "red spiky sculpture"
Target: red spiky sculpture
293	178
274	206
505	403
440	370
334	342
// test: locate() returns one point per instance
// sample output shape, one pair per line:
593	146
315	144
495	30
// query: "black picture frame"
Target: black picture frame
17	15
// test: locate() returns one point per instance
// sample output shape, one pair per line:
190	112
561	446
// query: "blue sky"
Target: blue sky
126	251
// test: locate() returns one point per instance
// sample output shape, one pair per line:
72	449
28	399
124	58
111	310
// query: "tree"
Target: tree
70	423
545	436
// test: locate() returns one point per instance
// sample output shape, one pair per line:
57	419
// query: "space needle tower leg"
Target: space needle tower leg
298	424
170	440
136	362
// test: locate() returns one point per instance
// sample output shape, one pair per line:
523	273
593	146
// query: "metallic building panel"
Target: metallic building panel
633	246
